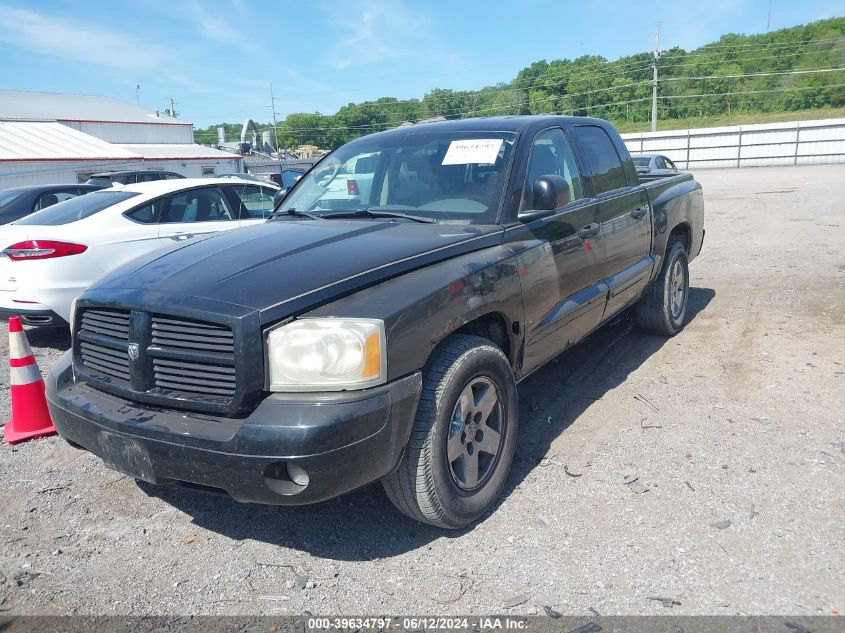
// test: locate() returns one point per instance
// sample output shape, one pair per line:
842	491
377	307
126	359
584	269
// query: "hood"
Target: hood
283	266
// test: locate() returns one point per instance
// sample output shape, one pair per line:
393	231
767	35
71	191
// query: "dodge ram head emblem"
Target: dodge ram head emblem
133	351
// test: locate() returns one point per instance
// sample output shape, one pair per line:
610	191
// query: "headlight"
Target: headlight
326	355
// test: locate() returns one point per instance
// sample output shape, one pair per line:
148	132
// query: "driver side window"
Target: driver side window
551	155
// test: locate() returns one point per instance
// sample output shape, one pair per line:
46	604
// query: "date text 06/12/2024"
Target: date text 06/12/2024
418	623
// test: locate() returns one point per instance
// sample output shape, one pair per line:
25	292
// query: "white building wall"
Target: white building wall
19	174
193	168
791	143
135	132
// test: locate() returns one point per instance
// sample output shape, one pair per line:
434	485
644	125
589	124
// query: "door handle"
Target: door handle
589	230
639	213
181	236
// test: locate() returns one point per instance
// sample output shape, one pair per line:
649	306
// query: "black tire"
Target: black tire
661	309
429	486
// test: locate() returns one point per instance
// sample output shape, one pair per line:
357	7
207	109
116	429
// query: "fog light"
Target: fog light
297	475
285	478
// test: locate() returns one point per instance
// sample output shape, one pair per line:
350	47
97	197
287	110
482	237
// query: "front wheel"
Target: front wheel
663	307
463	438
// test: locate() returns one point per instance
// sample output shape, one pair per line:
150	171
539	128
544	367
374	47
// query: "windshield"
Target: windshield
457	176
77	208
642	161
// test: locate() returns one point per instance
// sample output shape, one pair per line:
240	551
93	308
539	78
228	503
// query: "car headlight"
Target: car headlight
328	354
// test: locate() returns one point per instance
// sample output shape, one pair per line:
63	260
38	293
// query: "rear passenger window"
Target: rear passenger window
552	156
603	158
148	214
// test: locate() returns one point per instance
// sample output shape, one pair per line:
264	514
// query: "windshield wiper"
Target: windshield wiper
299	214
367	213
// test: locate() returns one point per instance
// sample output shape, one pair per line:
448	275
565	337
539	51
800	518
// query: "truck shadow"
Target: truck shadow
363	525
57	338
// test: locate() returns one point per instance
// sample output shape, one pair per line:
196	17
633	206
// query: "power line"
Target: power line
808	71
751	92
722	45
606	105
494	108
747	59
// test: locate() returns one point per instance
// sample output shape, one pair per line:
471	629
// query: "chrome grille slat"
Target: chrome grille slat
105	354
188	382
106	322
105	368
191	368
180	388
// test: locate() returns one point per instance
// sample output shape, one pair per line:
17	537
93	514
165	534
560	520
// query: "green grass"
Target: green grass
733	119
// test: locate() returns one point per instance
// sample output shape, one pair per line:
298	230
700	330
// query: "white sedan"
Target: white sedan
51	256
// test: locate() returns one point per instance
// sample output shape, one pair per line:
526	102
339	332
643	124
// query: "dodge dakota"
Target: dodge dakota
378	333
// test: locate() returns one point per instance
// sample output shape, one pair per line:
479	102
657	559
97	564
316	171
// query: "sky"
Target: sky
217	59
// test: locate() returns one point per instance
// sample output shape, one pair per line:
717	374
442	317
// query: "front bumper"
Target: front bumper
341	441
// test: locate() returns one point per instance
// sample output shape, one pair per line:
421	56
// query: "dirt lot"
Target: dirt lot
738	419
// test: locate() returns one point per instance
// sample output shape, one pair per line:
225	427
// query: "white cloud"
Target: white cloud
374	31
77	41
212	26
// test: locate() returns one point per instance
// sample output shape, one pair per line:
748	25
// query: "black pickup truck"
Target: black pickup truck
375	328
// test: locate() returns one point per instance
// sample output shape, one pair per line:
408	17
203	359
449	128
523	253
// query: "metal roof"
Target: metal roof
54	106
39	141
178	151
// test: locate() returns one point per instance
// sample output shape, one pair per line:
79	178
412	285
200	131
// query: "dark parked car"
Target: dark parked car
19	202
331	347
653	166
107	179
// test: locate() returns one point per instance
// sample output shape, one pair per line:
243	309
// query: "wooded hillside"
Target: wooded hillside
793	69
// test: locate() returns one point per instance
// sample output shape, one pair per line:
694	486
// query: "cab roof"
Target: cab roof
516	124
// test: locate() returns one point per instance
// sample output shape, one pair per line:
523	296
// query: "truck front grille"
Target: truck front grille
104	336
193	357
157	359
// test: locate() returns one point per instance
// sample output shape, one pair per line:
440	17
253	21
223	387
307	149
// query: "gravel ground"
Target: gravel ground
734	429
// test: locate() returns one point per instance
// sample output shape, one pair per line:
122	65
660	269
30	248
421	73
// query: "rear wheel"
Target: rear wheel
463	438
663	307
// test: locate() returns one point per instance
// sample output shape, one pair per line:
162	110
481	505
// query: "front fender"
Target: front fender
423	307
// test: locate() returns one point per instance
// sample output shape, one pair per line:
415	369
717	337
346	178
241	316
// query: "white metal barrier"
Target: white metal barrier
793	143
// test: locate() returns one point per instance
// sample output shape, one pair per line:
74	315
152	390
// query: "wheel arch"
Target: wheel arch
495	327
682	232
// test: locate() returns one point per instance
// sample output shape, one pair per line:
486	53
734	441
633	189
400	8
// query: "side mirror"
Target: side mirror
549	193
279	196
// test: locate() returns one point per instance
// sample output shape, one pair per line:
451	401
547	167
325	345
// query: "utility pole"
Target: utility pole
654	81
137	98
769	17
273	110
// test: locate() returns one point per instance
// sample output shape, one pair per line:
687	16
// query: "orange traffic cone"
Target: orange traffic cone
30	417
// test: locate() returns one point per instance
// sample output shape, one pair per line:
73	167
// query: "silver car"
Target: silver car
653	166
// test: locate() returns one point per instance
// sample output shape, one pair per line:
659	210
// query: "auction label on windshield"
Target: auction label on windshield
482	151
